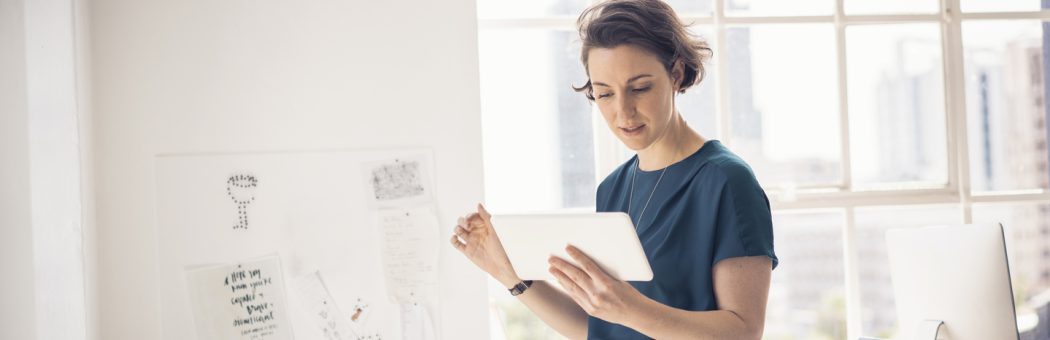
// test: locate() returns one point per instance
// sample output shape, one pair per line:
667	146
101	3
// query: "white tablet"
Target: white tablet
608	237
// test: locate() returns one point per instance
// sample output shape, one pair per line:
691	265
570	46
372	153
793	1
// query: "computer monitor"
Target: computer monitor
955	274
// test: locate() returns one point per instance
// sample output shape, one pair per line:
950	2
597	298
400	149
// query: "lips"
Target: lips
634	130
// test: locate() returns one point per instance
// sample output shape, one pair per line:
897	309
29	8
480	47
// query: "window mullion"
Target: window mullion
840	48
723	117
955	106
1035	15
852	272
852	279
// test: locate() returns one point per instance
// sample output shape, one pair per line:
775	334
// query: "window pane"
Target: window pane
1001	5
697	104
779	7
1027	229
691	7
891	6
770	107
896	105
878	310
494	9
807	295
1005	104
538	141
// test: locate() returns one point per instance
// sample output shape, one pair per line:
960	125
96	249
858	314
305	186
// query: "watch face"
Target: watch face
520	288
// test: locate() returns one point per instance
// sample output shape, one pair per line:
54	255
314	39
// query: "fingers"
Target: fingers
484	213
575	291
461	232
586	263
466	224
458	244
473	221
572	272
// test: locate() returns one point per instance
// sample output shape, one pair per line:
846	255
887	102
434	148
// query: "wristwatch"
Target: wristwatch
520	287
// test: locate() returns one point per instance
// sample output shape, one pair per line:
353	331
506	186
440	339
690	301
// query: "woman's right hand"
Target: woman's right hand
475	238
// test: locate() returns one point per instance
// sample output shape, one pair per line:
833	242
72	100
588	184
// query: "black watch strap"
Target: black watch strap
520	287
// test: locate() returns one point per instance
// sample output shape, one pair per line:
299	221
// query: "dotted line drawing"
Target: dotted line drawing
241	189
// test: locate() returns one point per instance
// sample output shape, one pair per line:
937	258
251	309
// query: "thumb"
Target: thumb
484	213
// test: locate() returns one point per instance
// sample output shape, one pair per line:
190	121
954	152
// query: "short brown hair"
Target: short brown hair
649	24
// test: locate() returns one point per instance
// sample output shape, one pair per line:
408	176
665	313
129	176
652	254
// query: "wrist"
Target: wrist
520	288
508	280
645	316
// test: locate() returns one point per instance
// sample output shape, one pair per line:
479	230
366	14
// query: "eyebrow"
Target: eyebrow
640	76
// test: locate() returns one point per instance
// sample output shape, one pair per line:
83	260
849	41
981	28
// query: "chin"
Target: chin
632	144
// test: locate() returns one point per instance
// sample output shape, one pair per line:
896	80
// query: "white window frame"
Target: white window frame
844	197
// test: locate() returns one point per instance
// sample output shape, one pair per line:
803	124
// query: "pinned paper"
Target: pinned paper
240	301
399	182
409	252
416	323
322	309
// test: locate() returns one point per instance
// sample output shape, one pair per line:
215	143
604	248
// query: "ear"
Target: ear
677	74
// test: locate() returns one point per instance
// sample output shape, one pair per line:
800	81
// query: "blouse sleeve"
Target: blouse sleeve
744	226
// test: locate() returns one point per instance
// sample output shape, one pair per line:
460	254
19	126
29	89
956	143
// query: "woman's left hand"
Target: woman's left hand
598	293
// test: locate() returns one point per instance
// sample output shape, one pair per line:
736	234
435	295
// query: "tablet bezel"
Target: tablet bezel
609	238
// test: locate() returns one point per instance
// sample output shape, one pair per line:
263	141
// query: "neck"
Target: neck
678	142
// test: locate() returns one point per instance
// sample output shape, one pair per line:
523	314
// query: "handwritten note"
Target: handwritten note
409	247
243	301
402	199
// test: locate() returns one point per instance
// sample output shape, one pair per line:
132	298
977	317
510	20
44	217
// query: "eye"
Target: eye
642	89
603	95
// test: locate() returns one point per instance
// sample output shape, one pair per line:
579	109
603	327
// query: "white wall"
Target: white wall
259	75
18	309
40	213
54	166
82	54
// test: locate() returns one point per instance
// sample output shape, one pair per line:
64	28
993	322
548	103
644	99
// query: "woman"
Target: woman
702	217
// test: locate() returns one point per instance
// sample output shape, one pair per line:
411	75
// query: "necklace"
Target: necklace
630	197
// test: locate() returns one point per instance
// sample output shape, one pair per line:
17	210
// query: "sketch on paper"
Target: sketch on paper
241	189
397	180
319	304
328	317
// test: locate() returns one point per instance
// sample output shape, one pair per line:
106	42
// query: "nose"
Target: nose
624	107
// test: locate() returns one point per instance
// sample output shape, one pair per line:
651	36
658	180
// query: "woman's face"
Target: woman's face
634	92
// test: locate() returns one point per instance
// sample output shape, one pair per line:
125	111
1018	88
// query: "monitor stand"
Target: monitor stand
927	330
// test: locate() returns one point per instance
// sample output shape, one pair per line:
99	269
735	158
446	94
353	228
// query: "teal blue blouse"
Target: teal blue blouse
708	207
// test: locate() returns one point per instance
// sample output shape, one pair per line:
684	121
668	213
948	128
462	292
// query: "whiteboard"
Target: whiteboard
309	208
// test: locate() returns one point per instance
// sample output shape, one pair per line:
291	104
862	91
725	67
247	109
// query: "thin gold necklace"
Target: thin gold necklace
630	197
